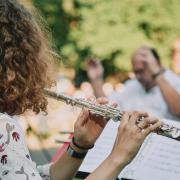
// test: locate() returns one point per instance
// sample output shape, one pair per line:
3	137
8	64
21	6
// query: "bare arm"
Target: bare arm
87	129
95	72
171	96
109	169
128	142
98	87
66	166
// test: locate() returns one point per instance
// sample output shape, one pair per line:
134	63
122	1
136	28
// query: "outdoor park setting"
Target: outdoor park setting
125	51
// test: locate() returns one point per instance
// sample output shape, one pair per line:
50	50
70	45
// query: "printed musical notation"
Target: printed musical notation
102	148
158	158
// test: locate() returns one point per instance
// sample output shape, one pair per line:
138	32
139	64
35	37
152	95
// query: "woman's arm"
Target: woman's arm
86	131
128	141
66	166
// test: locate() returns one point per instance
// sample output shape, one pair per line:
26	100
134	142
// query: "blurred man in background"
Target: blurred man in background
155	89
176	57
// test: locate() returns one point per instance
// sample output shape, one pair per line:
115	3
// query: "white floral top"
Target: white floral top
15	161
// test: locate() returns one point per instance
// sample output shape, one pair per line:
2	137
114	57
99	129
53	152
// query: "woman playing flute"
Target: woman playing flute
25	55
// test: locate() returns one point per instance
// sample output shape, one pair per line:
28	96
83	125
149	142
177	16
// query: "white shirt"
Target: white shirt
134	97
15	160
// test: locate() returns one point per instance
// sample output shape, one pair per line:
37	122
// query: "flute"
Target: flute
110	112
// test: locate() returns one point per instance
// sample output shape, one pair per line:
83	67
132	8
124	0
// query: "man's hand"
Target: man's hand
150	61
95	70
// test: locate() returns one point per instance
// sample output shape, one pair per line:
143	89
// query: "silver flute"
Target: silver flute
110	112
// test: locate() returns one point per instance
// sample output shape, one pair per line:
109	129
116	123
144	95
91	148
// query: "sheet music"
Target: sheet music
158	158
102	148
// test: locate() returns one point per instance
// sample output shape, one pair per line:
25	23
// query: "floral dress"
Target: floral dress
15	160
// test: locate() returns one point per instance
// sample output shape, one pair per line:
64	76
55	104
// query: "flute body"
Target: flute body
109	112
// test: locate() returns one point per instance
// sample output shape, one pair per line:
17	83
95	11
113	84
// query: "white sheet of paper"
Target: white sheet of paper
158	158
102	148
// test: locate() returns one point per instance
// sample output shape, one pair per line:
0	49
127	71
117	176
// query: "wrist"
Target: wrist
77	149
118	159
73	152
158	73
97	79
80	146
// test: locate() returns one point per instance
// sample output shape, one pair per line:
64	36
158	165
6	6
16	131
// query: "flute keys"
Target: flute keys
68	101
166	127
115	118
175	133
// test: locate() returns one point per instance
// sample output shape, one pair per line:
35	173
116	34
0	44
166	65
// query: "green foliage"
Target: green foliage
111	29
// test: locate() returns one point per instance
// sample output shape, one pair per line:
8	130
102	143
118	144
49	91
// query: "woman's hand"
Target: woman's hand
132	134
88	127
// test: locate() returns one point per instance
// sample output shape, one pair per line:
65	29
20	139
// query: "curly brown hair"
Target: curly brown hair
24	60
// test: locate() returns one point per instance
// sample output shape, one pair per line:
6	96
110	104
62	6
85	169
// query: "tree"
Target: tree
111	30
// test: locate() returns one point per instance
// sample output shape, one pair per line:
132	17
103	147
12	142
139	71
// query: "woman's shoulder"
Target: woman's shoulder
8	122
6	118
15	160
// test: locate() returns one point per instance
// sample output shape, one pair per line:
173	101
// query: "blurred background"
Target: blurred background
109	30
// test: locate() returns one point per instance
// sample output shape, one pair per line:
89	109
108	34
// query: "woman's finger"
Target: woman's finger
125	118
102	100
92	98
83	117
153	120
113	104
146	122
136	116
151	128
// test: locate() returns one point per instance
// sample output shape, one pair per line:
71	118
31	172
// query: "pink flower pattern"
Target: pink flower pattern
4	159
11	152
16	136
2	147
